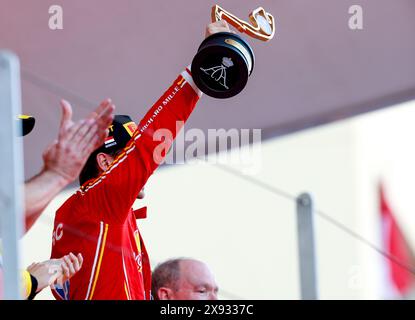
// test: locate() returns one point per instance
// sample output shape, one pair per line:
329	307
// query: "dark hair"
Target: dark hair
91	169
165	274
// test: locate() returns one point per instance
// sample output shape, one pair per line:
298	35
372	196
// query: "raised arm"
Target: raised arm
115	190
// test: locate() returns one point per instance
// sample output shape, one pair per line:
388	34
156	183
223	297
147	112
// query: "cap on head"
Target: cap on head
120	132
27	123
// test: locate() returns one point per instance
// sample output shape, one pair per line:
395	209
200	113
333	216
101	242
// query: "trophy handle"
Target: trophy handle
262	26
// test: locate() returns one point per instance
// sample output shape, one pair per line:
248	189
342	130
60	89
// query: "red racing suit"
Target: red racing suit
98	220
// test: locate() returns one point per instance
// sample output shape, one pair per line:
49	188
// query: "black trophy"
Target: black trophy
224	60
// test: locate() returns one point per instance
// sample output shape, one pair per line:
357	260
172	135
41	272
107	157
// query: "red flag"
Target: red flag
396	246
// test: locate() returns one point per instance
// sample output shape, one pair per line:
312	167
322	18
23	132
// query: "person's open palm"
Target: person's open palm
77	140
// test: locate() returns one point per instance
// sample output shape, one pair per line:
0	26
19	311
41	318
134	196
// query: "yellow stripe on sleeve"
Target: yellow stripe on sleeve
101	254
126	291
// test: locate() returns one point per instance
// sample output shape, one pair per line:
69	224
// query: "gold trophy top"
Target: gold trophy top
262	26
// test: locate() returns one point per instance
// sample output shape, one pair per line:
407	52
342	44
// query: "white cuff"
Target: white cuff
187	75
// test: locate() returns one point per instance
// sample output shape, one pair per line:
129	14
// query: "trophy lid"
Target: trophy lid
222	65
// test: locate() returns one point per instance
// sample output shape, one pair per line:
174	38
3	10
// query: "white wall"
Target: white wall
385	149
248	235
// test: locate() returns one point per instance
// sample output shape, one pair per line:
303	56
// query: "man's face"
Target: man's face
196	282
